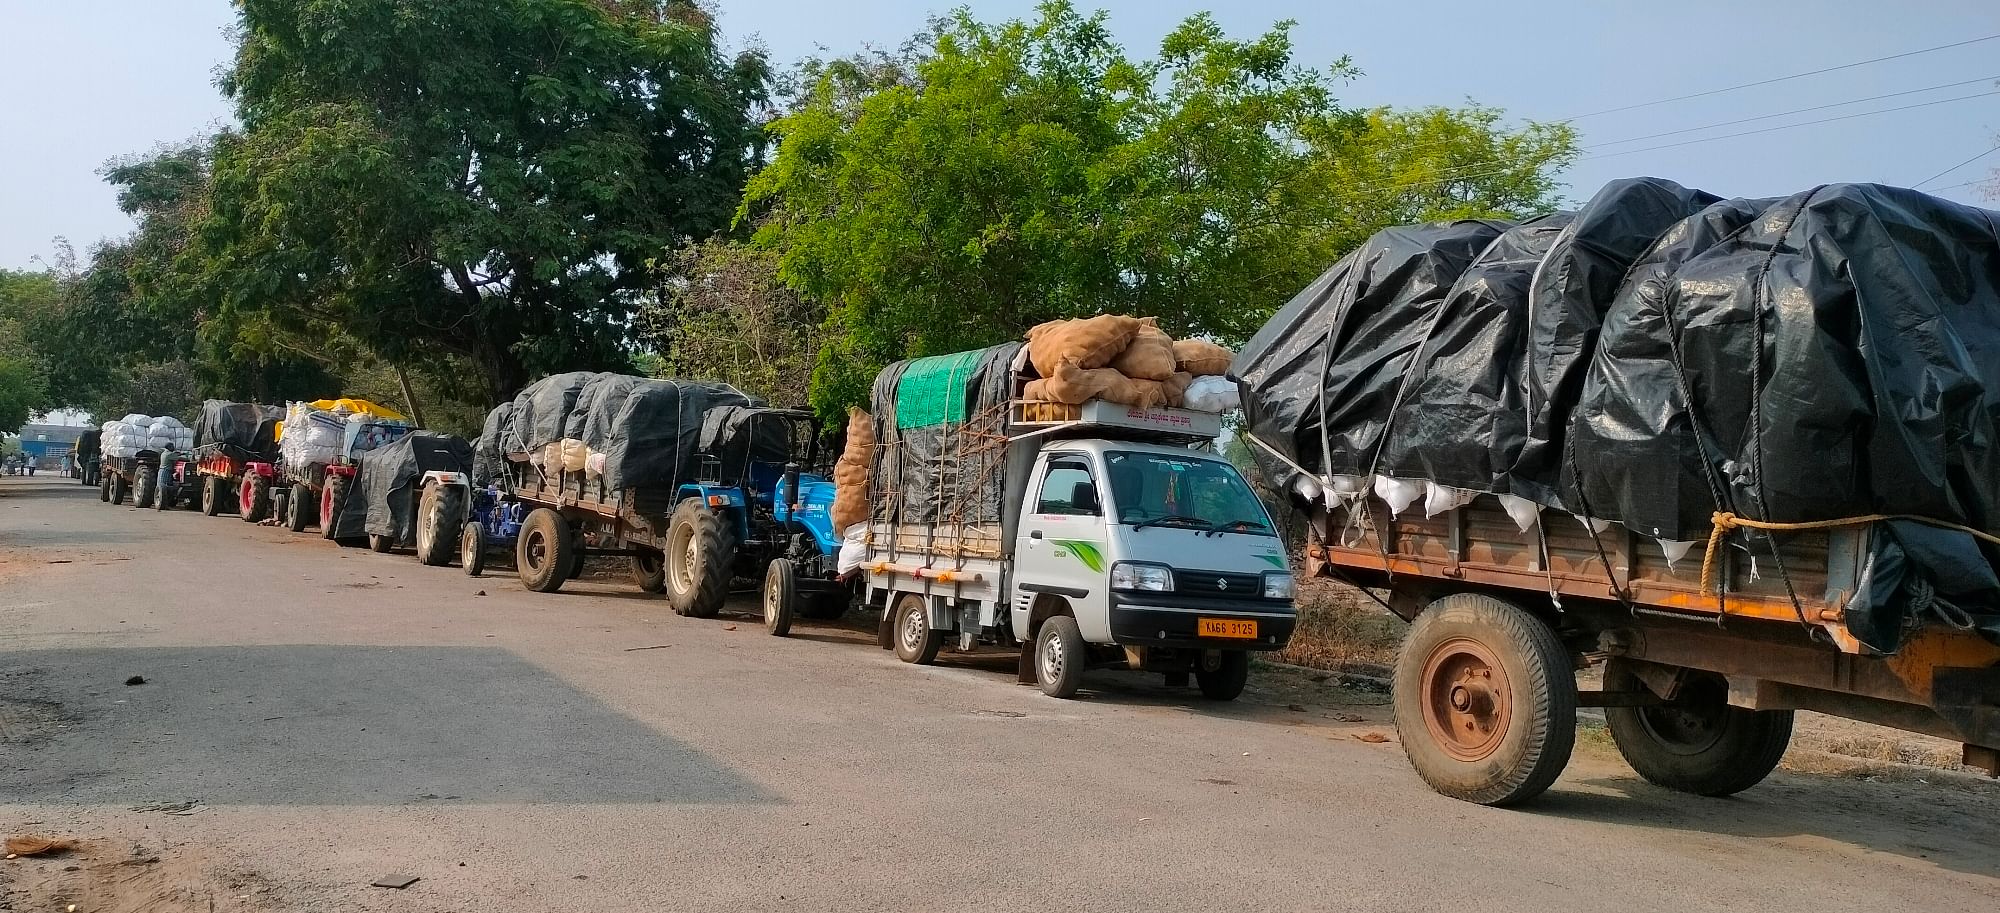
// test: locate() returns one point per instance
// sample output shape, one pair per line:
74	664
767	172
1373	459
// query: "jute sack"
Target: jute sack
1071	384
1089	343
1201	358
850	472
1131	391
1174	388
1150	356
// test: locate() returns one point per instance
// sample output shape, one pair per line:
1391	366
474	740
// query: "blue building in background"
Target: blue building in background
47	444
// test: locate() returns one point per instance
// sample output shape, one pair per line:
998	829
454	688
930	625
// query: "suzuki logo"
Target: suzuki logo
1221	584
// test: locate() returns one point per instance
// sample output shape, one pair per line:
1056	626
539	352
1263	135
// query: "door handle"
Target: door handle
1034	534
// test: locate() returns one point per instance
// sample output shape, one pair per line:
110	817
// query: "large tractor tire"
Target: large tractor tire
214	491
440	519
1485	700
700	550
1696	743
301	507
545	551
121	488
649	571
144	489
332	499
253	498
104	488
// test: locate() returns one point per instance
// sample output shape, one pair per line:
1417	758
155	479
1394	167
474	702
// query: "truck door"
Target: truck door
1062	541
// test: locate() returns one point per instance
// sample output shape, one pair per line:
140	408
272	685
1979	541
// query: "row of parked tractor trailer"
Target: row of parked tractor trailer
1740	454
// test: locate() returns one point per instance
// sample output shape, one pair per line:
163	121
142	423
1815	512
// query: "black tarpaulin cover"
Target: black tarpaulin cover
1319	381
383	499
1630	416
1462	420
1566	303
1838	356
940	454
542	409
738	436
654	437
248	426
489	454
647	430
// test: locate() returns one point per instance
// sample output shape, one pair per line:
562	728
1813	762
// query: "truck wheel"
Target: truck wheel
699	548
545	551
1485	700
1697	743
472	548
300	506
380	544
1226	680
1060	657
211	496
915	641
649	571
253	498
144	489
440	516
104	488
781	597
332	499
121	488
163	491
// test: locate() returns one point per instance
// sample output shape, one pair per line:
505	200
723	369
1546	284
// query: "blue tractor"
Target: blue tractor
752	509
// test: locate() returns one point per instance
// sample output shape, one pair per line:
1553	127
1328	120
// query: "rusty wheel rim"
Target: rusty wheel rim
1466	702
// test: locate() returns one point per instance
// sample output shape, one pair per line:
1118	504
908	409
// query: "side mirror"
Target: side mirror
1083	497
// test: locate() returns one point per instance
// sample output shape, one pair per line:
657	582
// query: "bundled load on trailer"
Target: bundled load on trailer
236	457
1777	412
1048	498
130	451
318	446
585	464
382	507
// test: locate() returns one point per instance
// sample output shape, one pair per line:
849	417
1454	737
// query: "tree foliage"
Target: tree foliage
1000	175
472	179
725	315
23	381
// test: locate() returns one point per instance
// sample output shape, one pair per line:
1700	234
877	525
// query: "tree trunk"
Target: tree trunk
410	397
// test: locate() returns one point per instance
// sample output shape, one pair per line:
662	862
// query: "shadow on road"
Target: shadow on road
329	725
1941	825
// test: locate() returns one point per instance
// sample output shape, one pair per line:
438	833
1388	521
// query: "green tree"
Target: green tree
472	186
23	381
725	315
995	176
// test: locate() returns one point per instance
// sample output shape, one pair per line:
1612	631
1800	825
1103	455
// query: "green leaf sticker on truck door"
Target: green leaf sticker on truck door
1085	552
1277	561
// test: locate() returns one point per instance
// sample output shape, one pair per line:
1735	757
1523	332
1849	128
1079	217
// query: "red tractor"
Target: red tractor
236	457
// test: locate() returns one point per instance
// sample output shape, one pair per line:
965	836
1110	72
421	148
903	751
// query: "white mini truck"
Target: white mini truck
1086	536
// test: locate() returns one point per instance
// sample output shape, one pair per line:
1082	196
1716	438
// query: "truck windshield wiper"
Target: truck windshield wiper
1174	518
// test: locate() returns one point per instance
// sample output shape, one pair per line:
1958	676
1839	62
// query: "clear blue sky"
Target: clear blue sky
86	80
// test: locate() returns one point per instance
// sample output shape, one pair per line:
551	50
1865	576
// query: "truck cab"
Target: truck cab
1123	541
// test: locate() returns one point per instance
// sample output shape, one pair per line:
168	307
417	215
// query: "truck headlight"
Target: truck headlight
1127	575
1278	585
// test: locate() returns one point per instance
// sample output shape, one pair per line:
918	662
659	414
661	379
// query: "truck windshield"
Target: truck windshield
1157	489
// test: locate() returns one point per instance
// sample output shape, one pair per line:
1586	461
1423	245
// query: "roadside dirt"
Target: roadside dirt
111	876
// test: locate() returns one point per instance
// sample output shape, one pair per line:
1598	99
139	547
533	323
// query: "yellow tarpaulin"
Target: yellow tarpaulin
350	406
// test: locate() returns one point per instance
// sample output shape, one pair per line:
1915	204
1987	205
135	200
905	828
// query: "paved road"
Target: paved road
339	715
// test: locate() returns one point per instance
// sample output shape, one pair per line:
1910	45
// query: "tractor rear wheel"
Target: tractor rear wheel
700	547
440	517
253	498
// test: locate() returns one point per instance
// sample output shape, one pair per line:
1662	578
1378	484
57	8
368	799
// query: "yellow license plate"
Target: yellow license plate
1227	627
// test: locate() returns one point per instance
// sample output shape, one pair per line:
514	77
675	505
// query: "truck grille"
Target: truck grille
1219	583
